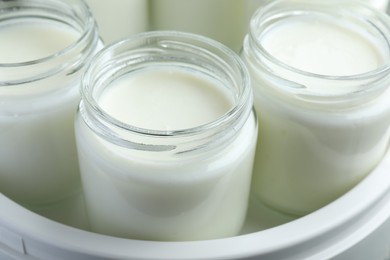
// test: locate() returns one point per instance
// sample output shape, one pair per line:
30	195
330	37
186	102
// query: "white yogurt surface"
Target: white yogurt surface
22	42
322	46
165	100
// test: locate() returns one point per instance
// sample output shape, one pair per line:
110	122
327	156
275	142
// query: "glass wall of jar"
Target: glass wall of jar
118	19
321	79
166	137
221	20
43	48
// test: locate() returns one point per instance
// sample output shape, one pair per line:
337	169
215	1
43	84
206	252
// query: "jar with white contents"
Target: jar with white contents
321	79
166	137
221	20
44	47
117	19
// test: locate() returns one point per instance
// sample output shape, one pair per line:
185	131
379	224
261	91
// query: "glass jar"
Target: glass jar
118	19
44	48
221	20
320	132
175	184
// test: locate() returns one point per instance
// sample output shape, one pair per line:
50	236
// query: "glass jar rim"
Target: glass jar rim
188	42
49	10
267	13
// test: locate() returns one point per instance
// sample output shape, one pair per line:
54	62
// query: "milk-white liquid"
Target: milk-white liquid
118	19
308	156
27	42
221	20
160	196
38	160
322	47
178	101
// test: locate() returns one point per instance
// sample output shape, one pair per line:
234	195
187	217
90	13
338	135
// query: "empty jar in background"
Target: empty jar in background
118	19
221	20
321	82
43	49
166	138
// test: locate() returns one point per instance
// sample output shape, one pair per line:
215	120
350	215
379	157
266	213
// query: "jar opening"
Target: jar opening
70	20
166	51
350	19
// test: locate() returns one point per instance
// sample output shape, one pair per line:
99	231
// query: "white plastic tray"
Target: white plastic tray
356	226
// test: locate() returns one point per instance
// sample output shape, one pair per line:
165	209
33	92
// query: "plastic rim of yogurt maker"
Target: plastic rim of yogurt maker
358	223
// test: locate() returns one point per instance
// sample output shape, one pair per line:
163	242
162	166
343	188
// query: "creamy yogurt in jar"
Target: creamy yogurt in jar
221	20
166	138
43	49
321	82
118	19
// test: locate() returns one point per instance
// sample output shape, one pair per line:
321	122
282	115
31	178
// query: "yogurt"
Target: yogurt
161	156
322	46
32	41
321	92
165	100
221	20
118	19
40	62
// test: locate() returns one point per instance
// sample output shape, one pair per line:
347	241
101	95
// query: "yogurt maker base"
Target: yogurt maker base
355	226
